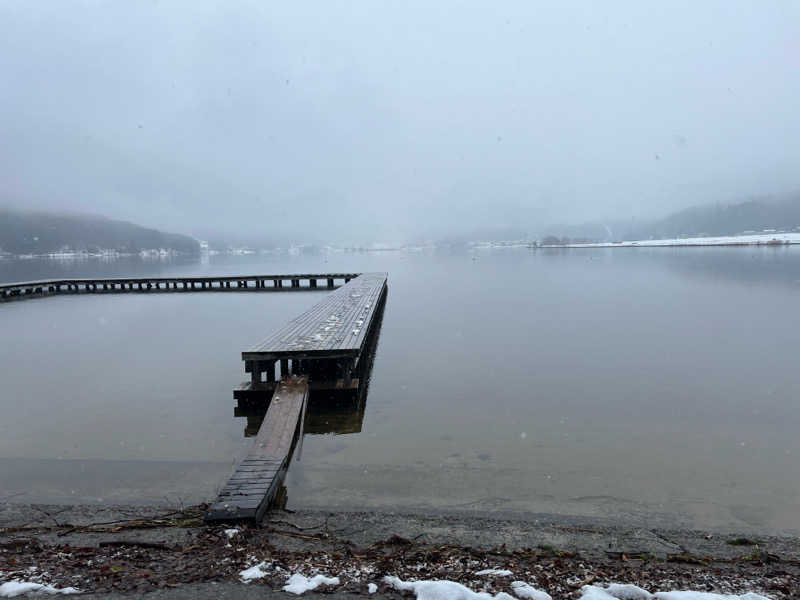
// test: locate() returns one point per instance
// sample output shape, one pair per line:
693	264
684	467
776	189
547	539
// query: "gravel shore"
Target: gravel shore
127	551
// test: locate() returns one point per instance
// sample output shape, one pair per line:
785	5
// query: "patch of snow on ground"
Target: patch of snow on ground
705	596
231	532
628	591
592	592
631	592
499	572
442	590
372	588
15	587
526	591
254	572
297	583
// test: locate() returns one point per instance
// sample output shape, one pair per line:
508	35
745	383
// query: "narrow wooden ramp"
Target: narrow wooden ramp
253	486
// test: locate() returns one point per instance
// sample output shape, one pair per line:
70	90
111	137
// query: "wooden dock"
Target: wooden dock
327	350
325	342
330	348
228	283
256	481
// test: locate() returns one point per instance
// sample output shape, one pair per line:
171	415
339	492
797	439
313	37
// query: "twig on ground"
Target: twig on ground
137	543
297	527
49	515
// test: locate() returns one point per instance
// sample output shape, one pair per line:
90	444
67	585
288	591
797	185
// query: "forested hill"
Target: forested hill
753	215
780	214
40	233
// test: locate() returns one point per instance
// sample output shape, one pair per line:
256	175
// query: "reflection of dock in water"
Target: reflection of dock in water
345	416
312	376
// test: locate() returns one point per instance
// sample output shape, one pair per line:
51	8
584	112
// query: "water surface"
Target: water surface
654	385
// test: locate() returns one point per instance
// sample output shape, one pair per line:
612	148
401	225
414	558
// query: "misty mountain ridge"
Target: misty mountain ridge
753	215
29	232
23	232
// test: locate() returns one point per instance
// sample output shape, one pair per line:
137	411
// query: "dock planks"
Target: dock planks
335	327
255	483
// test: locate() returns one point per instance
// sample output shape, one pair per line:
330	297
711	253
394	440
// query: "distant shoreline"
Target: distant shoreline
154	253
765	239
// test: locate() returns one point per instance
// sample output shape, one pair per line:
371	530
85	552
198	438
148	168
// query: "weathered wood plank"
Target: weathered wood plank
255	482
336	326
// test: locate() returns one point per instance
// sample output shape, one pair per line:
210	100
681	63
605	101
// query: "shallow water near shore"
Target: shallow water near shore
651	385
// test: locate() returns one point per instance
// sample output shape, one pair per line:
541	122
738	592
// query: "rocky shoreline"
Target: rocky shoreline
130	550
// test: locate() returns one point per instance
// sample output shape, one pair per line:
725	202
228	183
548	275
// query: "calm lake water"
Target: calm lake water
660	386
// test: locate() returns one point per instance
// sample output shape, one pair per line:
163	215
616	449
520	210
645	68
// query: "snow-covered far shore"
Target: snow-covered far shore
758	239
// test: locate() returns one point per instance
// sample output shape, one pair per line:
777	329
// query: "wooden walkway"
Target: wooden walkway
229	283
256	481
329	348
325	341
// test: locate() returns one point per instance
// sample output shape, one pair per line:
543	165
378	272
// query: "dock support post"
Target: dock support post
269	367
255	372
284	367
312	283
330	282
347	367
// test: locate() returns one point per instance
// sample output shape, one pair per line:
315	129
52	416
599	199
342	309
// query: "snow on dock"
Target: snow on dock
326	341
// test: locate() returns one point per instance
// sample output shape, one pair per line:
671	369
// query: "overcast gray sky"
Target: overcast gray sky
316	119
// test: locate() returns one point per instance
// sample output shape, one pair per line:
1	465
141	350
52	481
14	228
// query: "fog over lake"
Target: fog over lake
656	385
389	122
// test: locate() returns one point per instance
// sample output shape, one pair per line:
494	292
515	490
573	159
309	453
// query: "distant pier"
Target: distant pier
229	283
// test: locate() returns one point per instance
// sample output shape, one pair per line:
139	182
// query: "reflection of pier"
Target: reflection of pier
311	376
339	416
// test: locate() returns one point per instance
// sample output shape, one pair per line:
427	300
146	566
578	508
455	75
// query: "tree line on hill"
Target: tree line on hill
23	232
755	215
